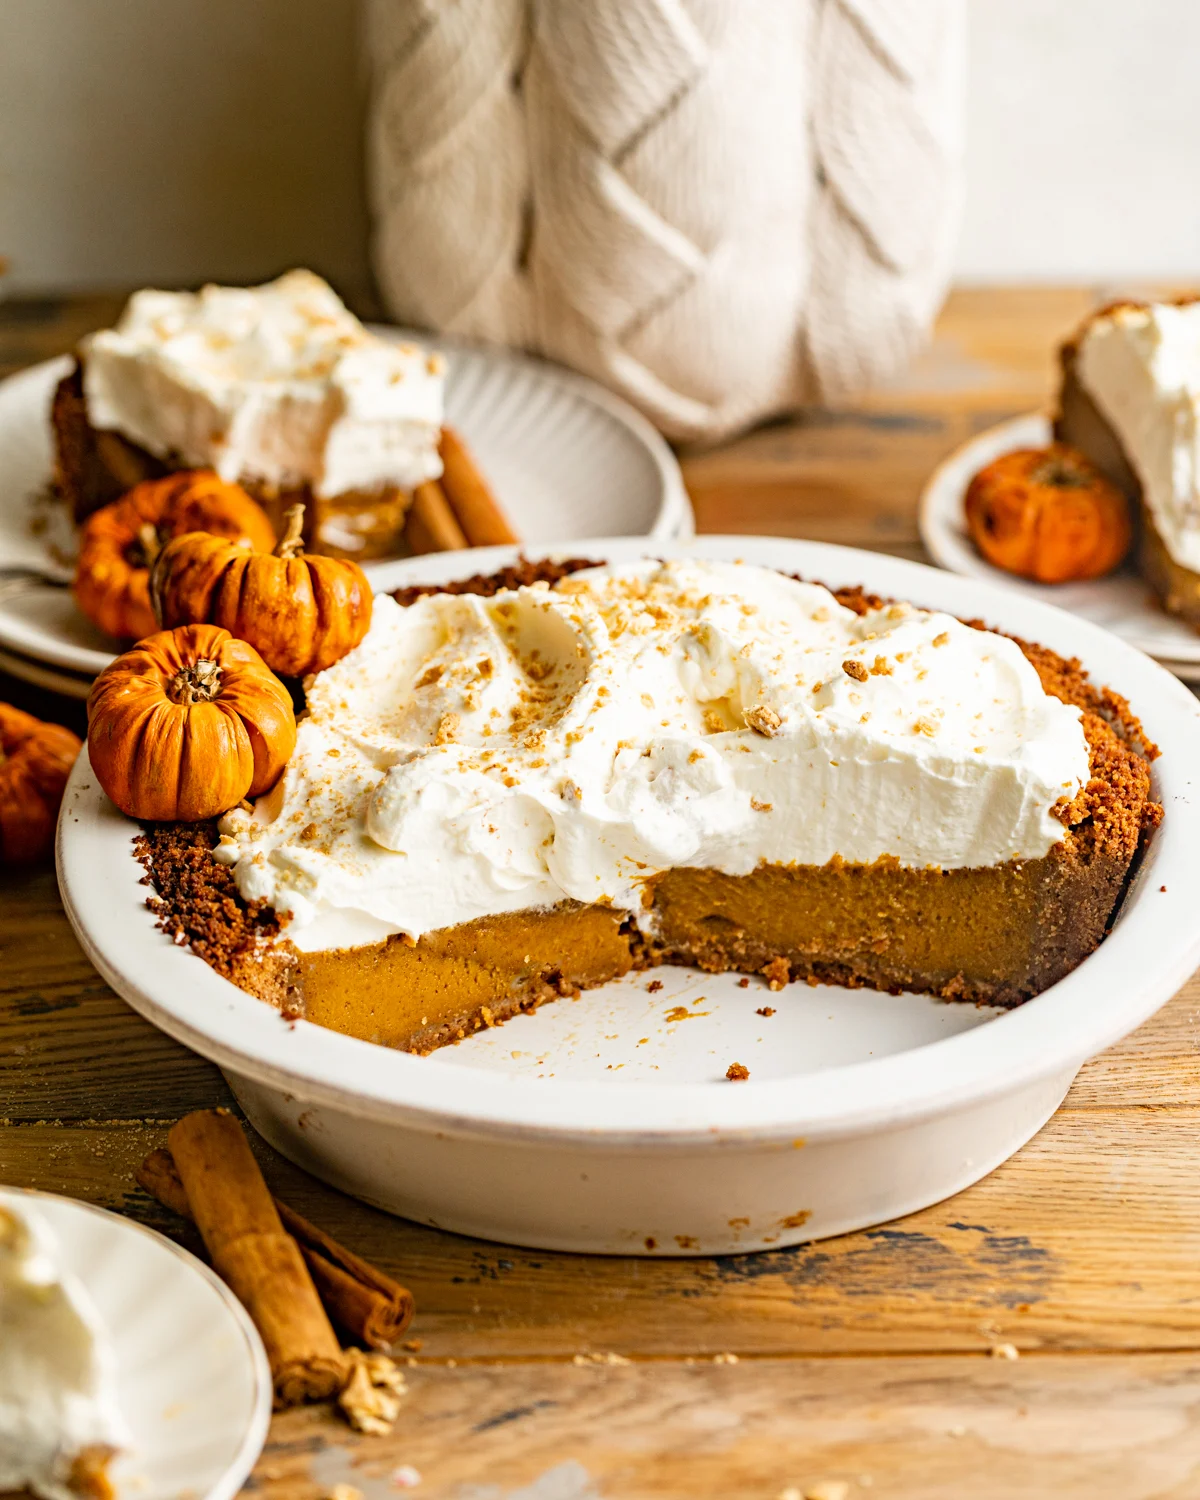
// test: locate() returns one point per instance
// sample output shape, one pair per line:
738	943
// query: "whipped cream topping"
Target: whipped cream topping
476	756
277	384
57	1367
1141	366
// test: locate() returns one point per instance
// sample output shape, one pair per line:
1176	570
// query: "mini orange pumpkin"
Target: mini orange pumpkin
119	542
301	612
35	761
187	724
1049	515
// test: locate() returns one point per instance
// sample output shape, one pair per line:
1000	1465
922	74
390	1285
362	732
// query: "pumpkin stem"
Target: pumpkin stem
199	683
149	543
292	540
1059	472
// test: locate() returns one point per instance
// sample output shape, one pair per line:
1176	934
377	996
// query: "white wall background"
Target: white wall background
173	140
1083	140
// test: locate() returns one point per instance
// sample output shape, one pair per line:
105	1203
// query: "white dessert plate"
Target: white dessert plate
192	1377
606	1124
53	679
1123	602
566	458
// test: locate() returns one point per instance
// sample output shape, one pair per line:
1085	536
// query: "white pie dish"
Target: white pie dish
566	458
193	1382
1123	602
859	1107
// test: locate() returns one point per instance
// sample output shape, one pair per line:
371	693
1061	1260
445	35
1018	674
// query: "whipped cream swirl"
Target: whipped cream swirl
278	384
476	756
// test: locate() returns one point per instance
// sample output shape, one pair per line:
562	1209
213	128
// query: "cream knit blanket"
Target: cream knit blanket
722	209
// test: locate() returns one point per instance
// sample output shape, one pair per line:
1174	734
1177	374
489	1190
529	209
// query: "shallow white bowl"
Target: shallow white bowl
1123	602
53	679
192	1377
602	1124
566	457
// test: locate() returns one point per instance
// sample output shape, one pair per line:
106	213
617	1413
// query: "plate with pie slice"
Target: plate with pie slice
1123	602
672	905
565	458
181	1378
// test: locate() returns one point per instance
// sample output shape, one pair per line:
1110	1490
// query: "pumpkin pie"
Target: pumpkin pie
1130	402
533	782
277	387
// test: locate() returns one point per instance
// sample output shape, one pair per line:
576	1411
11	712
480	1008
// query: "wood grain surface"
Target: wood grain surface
862	1362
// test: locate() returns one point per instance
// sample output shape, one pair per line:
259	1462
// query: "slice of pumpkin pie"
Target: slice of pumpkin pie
278	387
1130	401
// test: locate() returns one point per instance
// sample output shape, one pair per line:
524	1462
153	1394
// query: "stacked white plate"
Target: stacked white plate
1123	602
567	460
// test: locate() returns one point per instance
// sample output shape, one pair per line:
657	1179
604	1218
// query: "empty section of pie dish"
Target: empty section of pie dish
606	1123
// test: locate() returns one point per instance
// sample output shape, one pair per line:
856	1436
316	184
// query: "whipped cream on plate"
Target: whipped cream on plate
57	1366
482	755
1141	366
277	384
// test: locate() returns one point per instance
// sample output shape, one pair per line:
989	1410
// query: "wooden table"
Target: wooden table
863	1359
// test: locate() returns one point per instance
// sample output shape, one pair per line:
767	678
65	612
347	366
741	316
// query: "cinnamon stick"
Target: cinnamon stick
159	1175
430	525
365	1302
475	508
249	1246
360	1299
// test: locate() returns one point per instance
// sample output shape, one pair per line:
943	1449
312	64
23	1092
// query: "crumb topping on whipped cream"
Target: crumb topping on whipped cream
482	755
277	384
1141	366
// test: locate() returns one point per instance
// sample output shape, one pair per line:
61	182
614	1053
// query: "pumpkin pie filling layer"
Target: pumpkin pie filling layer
997	931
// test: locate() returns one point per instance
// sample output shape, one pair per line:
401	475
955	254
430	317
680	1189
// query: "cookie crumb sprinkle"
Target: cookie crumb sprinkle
763	720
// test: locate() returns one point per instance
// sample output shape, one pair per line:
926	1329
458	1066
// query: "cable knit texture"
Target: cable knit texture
723	209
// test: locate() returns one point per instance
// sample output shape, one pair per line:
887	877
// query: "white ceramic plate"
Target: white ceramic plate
1122	602
565	1129
53	679
193	1380
566	457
